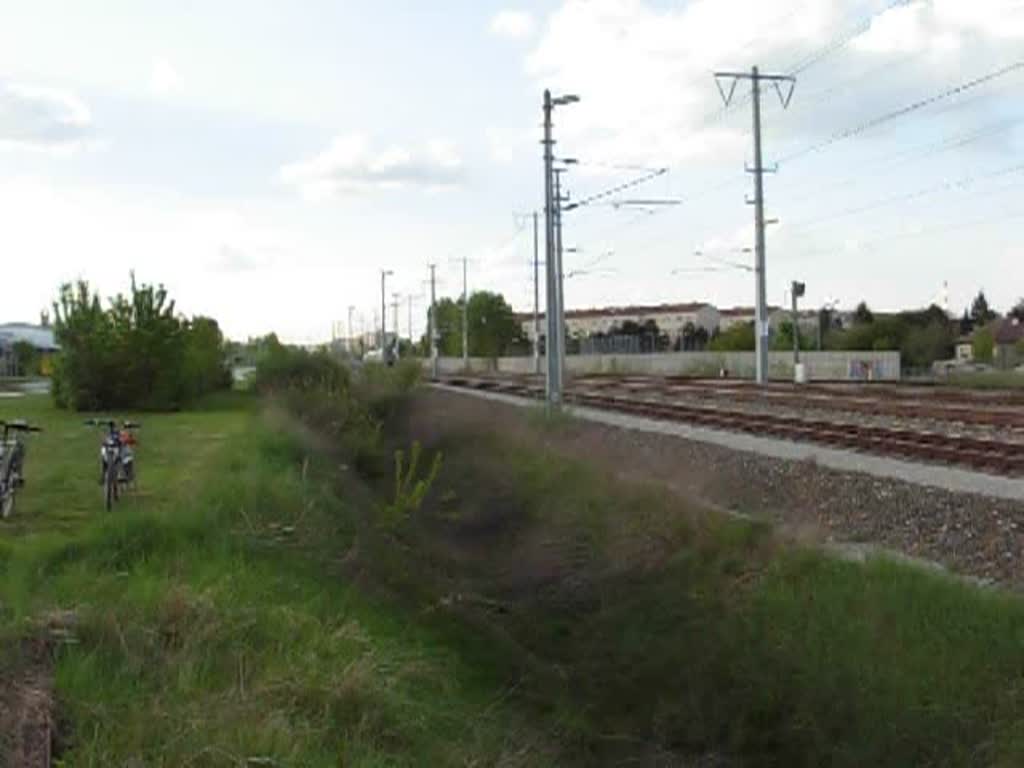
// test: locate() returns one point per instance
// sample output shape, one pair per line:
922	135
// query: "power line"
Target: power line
930	230
904	111
946	186
613	190
840	42
956	140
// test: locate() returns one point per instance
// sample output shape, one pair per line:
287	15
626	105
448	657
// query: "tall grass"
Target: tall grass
677	632
223	629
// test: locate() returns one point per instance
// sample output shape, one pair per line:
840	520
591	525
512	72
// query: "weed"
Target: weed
410	490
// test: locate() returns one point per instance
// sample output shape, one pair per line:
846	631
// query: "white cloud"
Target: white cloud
164	78
514	25
643	71
43	119
350	163
941	25
233	258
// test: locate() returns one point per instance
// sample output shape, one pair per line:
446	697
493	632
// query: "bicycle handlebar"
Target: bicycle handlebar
111	423
20	425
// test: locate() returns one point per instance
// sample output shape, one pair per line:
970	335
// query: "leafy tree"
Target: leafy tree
687	337
136	354
26	358
983	344
981	313
862	315
1018	311
738	338
449	327
966	324
86	361
782	339
923	345
921	336
206	367
493	328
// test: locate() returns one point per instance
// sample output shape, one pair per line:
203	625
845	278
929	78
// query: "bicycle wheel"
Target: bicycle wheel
7	503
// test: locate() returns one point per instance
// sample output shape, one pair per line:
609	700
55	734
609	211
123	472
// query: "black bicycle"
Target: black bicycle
12	462
117	457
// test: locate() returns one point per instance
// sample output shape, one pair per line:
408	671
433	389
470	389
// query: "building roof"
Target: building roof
626	311
747	311
36	335
1009	331
638	309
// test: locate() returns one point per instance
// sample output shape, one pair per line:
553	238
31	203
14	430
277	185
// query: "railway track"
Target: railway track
638	397
877	403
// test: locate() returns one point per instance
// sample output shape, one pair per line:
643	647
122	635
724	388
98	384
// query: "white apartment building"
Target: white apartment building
671	319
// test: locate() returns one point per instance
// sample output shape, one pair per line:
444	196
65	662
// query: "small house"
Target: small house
1009	343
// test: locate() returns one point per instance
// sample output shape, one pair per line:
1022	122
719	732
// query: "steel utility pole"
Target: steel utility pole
761	304
465	316
351	332
410	321
536	299
555	321
432	325
554	394
559	278
394	316
383	310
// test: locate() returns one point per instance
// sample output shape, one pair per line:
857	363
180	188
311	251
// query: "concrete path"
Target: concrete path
936	475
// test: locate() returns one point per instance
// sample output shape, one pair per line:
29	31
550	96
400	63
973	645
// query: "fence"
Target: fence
820	366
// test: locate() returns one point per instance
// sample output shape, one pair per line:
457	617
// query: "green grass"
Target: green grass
216	622
679	632
987	380
535	611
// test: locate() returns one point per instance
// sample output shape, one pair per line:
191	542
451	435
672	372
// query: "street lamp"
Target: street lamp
556	308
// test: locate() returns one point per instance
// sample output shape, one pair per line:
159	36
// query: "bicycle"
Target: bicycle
12	462
117	459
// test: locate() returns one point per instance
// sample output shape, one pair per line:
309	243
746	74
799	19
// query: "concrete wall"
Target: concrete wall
878	366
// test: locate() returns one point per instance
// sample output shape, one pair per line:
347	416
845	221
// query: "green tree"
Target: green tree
26	358
206	356
983	345
782	339
1017	311
86	362
493	328
966	324
981	312
449	327
138	353
738	338
862	315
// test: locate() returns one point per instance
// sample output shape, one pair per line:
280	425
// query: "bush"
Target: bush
136	354
739	338
982	345
283	368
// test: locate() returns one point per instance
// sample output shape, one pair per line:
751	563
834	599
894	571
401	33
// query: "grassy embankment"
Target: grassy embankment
255	602
214	624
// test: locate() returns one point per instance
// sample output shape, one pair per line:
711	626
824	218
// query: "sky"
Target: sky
265	160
